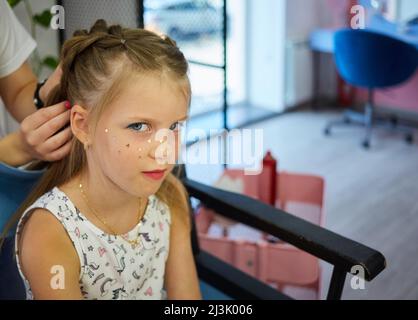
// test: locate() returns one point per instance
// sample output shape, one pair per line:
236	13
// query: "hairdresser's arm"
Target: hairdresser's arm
17	89
48	258
11	151
181	280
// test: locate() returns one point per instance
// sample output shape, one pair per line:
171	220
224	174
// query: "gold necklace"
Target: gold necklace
134	242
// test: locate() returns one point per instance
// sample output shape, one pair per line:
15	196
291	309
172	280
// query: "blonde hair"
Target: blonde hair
95	66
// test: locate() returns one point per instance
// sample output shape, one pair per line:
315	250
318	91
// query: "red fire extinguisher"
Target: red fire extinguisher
267	180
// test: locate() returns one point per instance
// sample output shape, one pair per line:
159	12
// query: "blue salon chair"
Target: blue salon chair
15	184
372	61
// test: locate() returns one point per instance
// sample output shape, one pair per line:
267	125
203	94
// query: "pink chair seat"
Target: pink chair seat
283	266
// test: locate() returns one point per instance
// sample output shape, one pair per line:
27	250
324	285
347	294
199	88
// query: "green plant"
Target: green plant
43	20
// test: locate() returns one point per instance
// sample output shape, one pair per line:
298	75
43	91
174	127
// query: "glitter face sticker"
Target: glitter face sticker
137	145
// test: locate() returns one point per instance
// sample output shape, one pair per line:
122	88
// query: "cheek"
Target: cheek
128	151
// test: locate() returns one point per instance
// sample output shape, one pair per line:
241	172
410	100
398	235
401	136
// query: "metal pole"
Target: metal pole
337	284
141	23
225	91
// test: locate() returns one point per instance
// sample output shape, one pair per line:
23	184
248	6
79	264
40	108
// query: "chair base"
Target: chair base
369	121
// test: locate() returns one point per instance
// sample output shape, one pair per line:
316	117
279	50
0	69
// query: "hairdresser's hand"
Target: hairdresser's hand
40	136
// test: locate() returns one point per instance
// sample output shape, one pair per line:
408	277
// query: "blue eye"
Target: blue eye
139	126
176	126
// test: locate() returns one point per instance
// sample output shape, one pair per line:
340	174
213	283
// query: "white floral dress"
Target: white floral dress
111	268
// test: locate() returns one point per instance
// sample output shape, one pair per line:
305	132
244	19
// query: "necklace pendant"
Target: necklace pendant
134	243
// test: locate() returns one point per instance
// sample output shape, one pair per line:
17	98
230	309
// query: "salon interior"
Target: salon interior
317	197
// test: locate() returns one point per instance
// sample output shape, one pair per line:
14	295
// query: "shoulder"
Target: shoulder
43	237
177	216
56	202
42	229
42	221
43	246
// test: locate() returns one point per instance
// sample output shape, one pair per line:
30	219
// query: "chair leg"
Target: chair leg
368	119
327	130
409	138
369	125
355	117
406	131
349	117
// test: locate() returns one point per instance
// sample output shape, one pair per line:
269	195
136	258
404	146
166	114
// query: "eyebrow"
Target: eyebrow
153	120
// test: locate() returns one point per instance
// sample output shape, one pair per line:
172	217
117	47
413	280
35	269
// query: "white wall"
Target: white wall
280	64
303	17
408	9
236	51
265	49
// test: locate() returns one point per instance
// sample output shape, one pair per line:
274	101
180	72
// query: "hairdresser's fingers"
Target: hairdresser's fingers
36	128
40	117
55	142
60	153
50	128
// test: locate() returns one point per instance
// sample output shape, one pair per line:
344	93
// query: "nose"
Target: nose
164	154
158	150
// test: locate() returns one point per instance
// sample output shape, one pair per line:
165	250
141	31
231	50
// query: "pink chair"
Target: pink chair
204	218
222	247
246	257
289	269
302	195
241	254
292	271
250	181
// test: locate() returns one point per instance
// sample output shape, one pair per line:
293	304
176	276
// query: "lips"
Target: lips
155	174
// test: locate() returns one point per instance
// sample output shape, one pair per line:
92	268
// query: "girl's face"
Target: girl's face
140	132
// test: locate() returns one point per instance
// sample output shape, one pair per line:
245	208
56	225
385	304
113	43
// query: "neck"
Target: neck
106	198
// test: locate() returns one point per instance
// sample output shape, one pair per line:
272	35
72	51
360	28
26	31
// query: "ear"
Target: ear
80	123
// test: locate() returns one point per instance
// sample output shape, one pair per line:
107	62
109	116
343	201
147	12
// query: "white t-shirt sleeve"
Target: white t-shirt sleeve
16	44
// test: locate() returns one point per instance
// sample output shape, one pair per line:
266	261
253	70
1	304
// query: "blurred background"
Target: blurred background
275	65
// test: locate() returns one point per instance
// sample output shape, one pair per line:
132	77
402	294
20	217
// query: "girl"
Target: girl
110	221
